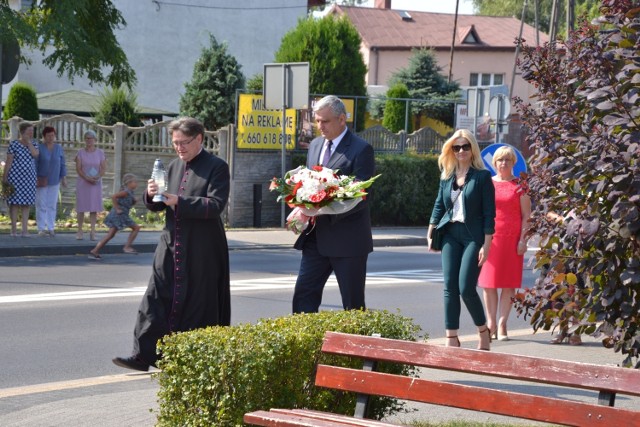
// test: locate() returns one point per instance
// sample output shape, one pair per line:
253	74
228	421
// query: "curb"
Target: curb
79	249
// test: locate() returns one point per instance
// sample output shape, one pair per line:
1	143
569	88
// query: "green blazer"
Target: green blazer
478	202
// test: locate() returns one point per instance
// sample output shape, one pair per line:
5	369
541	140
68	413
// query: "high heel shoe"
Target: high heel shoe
559	338
480	332
574	339
452	337
494	335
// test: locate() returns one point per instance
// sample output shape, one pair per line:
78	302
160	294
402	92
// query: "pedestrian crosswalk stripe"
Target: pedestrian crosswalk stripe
258	284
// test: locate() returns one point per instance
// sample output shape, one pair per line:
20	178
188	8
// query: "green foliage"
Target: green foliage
406	190
424	81
117	105
22	102
214	376
331	47
82	32
211	95
589	8
256	83
584	135
395	111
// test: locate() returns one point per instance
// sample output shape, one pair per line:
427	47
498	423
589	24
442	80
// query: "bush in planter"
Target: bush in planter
214	376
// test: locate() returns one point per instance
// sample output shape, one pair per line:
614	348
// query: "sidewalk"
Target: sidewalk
130	399
65	243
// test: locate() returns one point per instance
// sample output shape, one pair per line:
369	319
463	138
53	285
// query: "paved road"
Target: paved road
130	399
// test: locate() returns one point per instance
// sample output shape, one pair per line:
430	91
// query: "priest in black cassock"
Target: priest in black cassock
189	286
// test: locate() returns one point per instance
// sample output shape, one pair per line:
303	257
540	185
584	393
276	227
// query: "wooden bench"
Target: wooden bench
608	381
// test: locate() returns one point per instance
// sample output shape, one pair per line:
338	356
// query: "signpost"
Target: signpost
286	85
499	109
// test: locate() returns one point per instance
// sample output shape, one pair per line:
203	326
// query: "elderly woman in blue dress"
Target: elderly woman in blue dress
20	172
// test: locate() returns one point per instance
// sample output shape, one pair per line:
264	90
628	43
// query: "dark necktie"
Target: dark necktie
327	153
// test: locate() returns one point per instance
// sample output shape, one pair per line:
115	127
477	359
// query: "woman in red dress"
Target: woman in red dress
503	269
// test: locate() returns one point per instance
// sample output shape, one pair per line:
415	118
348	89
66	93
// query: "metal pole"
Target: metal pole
513	75
284	135
1	65
554	22
453	41
475	113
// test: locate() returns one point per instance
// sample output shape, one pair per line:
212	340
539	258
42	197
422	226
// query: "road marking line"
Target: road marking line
260	284
72	384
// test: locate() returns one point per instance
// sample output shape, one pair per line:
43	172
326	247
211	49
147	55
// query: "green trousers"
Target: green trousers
461	271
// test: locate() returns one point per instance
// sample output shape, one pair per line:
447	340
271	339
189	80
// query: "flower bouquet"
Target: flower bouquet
318	191
6	188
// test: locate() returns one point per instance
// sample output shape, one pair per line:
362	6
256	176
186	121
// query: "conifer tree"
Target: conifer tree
424	81
395	111
211	95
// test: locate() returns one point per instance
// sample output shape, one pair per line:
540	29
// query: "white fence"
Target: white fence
128	149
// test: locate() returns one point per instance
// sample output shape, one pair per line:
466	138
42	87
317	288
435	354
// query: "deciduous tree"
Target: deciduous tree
588	8
584	131
76	38
332	47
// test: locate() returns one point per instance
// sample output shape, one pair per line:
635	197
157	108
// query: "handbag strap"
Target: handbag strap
458	195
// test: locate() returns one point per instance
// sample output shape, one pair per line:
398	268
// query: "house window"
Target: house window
485	79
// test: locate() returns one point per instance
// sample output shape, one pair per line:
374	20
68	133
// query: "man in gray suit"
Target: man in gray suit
337	243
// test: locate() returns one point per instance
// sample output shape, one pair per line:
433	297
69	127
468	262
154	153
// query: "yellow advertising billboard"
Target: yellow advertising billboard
259	128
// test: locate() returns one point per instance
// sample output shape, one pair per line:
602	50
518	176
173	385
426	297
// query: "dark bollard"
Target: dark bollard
257	205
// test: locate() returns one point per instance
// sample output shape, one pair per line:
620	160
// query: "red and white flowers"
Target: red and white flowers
317	191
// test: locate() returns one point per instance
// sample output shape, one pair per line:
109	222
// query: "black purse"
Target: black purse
437	234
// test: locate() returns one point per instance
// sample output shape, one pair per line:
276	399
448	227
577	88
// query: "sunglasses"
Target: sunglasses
457	148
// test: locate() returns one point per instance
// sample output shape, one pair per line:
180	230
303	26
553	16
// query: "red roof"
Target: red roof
385	28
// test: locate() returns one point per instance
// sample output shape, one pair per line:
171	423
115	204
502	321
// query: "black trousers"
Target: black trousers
315	269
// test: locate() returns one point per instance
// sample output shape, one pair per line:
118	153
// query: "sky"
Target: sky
442	6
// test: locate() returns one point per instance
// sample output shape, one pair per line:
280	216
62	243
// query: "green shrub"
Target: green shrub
406	190
22	102
115	105
395	111
214	376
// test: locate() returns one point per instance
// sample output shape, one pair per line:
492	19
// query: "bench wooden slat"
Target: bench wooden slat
276	419
500	402
548	371
344	419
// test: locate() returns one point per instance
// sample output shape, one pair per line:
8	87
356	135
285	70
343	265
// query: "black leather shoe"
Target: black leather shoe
132	362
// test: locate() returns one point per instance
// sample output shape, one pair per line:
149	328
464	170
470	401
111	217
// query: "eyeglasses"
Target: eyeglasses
182	143
465	147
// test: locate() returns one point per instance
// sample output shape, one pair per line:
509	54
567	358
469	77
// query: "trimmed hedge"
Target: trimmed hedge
22	102
406	190
214	376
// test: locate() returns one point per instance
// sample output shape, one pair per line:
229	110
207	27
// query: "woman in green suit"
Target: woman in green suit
465	210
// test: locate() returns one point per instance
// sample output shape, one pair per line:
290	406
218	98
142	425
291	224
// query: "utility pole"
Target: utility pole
571	7
513	74
553	30
453	41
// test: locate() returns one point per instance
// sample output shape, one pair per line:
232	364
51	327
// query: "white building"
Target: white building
164	39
